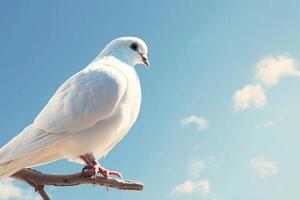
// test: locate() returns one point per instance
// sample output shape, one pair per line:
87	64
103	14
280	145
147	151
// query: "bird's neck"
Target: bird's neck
116	53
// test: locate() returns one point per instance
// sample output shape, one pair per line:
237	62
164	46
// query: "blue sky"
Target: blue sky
220	109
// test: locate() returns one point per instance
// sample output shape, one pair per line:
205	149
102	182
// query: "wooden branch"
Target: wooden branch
39	181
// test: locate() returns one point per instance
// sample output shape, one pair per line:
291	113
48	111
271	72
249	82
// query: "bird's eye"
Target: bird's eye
134	46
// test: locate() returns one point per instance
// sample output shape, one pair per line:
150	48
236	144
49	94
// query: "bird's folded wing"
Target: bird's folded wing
85	99
82	101
28	141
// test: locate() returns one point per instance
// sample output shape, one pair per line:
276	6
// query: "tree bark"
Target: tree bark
39	181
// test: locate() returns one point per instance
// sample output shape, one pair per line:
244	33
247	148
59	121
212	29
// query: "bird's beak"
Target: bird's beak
145	60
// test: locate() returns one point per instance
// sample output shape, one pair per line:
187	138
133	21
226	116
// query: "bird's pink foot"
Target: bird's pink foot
106	173
94	167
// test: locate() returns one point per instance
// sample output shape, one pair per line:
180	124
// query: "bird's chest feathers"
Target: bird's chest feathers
131	101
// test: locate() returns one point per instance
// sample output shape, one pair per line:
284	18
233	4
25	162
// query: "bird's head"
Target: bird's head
130	50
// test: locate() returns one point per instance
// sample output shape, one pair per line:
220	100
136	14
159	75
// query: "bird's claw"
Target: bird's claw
116	174
106	173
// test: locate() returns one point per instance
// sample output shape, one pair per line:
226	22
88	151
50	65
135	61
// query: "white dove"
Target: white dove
87	116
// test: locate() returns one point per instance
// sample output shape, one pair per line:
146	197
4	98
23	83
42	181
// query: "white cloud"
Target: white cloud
264	167
271	69
273	123
201	187
270	124
196	167
268	71
249	96
8	190
199	121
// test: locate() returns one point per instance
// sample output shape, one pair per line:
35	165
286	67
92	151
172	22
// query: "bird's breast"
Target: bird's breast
130	104
100	138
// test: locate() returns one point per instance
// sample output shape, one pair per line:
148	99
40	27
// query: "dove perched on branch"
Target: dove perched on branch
87	116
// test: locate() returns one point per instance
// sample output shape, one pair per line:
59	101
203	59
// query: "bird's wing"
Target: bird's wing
28	141
85	99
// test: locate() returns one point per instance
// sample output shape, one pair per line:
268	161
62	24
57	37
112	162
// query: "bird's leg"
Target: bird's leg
89	165
93	165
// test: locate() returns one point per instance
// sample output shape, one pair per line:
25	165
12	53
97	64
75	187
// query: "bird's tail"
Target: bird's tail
33	159
30	148
9	168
